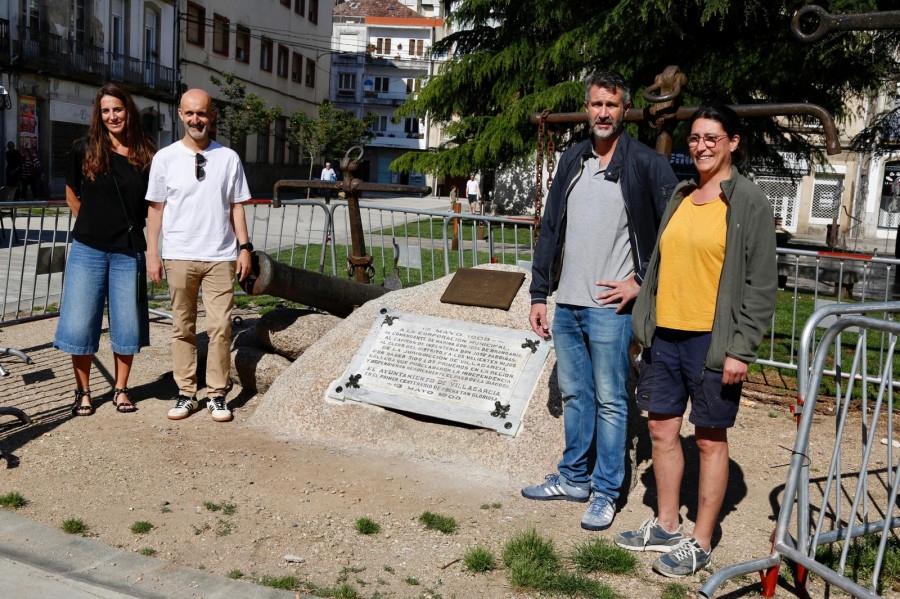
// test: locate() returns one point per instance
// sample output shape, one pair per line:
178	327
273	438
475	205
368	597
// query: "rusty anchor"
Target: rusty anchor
825	22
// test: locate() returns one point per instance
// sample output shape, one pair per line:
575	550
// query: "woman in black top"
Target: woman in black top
106	187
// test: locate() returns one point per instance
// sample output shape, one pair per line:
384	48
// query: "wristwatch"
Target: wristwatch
246	246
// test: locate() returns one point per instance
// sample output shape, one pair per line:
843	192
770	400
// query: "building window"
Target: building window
379	124
297	68
293	154
411	126
196	24
280	127
262	145
313	11
221	33
242	44
286	3
265	55
310	72
283	54
382	84
383	45
826	200
416	47
346	84
300	7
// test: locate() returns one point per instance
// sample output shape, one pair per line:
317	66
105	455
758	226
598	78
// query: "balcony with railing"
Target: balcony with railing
49	52
4	40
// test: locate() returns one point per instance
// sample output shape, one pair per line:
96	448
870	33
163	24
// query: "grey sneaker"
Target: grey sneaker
686	558
219	409
556	487
184	407
649	537
600	514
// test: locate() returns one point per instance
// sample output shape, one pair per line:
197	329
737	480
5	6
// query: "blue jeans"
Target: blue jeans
592	369
92	276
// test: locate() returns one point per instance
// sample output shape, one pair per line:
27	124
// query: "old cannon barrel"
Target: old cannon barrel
337	296
832	143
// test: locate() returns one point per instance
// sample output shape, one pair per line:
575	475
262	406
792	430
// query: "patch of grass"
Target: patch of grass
485	506
675	590
228	509
600	555
444	524
773	414
13	501
166	509
491	506
367	526
74	526
345	591
287	583
199	530
479	559
141	527
411	581
346	571
568	584
861	560
212	507
223	528
389	569
148	551
496	505
235	574
531	560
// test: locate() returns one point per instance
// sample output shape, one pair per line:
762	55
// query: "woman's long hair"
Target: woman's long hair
97	146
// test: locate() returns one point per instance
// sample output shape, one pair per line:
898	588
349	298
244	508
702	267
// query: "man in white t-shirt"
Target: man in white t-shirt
328	174
195	194
473	192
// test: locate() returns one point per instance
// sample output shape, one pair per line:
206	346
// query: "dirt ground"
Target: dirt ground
293	498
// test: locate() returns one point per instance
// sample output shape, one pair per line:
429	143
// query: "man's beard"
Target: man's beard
616	128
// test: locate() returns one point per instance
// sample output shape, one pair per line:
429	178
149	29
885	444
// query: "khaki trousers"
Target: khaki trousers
185	279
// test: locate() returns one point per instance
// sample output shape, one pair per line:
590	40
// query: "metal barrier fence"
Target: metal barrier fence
314	235
850	455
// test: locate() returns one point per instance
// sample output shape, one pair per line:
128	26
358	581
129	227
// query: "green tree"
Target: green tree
512	58
238	113
332	133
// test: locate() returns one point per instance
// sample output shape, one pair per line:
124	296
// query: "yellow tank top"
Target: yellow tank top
691	254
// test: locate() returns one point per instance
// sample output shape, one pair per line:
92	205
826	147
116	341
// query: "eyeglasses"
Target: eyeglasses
199	161
709	141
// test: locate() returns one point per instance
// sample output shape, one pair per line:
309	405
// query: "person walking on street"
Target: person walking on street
604	206
195	197
473	192
13	163
327	174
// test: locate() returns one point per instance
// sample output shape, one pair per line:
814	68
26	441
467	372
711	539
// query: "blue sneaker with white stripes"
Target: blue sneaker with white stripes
556	487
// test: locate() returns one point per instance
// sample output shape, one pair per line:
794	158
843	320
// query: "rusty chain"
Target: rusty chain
539	183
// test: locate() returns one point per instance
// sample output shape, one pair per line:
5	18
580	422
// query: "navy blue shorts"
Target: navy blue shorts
672	370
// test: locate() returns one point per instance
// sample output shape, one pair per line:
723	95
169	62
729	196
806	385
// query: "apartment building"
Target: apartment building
280	49
382	55
55	54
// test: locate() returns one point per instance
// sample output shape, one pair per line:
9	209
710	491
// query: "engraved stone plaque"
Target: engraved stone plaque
461	371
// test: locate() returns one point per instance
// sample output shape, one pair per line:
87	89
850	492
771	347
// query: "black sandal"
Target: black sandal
124	407
80	410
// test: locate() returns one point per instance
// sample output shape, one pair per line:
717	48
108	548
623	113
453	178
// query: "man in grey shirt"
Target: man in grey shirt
604	207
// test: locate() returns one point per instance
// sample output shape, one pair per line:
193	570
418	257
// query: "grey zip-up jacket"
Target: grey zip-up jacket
748	285
647	181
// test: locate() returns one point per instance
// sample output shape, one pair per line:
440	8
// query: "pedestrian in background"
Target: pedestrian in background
105	188
31	174
327	174
13	163
473	193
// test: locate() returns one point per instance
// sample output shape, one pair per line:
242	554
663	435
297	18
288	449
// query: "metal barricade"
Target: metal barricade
871	492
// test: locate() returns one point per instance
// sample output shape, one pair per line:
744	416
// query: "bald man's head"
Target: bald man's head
197	114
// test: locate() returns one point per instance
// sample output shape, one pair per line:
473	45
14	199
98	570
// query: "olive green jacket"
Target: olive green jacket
748	285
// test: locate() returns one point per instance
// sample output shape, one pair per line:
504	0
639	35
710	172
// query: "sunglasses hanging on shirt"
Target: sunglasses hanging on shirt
199	161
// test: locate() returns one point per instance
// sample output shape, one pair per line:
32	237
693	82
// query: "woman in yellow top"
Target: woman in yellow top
706	301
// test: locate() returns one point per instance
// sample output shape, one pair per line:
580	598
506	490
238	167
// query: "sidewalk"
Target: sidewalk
41	562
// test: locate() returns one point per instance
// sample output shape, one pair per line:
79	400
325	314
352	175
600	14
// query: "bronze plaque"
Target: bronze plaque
484	288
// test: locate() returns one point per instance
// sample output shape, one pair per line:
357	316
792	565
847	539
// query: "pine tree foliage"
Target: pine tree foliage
512	58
